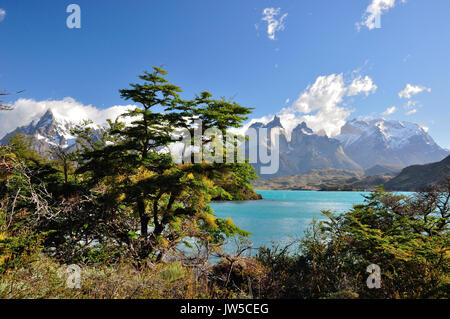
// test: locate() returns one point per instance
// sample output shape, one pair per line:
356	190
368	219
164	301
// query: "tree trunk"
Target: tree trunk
144	219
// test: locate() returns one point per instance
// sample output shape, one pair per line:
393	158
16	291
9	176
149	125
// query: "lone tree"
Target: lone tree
153	204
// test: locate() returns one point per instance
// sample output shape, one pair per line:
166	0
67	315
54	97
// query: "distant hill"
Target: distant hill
323	179
418	177
383	170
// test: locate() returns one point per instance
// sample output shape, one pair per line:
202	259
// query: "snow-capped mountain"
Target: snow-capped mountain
389	142
49	130
305	150
361	144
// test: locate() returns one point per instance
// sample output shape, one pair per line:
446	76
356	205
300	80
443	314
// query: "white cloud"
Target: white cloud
27	110
321	104
411	90
273	24
408	92
325	93
390	110
362	85
2	14
375	10
413	111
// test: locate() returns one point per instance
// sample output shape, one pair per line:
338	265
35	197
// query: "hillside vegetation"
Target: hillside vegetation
417	177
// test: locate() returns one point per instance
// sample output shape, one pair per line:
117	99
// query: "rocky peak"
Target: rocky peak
45	132
46	119
302	128
276	122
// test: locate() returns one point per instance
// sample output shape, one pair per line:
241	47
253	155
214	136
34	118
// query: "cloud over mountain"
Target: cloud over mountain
321	105
27	110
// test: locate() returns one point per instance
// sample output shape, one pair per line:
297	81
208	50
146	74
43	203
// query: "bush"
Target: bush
407	237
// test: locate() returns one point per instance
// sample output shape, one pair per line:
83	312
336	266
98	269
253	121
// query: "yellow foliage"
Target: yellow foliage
209	219
5	254
3	259
141	175
229	222
208	182
164	242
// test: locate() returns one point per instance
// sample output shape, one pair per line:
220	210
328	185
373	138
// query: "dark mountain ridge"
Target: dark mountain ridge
419	177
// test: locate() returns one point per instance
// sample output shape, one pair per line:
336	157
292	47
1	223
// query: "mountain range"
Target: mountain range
361	145
304	150
376	148
394	143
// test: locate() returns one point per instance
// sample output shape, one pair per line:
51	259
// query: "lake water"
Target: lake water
283	215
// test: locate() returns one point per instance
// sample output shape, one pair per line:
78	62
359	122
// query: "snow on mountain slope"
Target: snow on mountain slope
361	145
389	142
52	129
394	133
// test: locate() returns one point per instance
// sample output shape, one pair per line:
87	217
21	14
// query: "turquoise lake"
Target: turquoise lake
283	215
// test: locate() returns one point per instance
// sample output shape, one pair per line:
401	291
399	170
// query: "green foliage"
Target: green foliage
118	198
20	145
150	203
19	244
117	195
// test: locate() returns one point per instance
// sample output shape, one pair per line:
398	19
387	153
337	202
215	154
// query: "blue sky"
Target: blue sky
224	47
